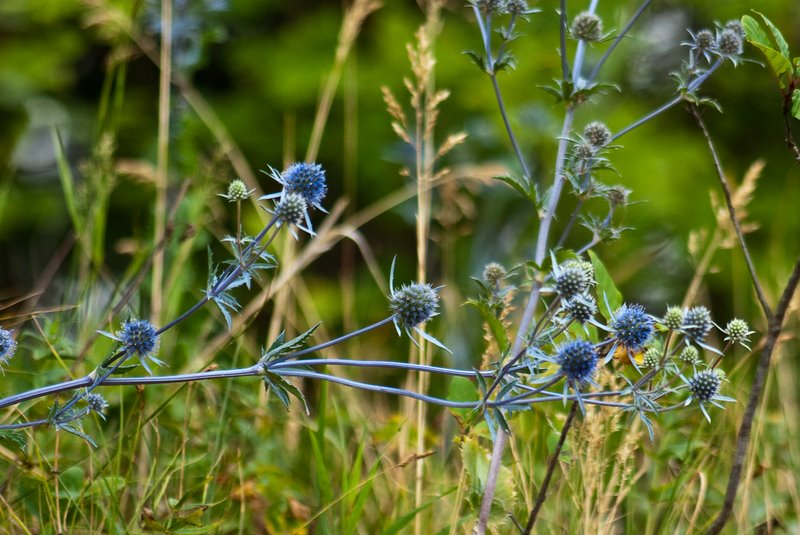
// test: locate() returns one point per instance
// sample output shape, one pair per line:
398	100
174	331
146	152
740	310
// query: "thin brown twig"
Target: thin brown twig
551	466
723	181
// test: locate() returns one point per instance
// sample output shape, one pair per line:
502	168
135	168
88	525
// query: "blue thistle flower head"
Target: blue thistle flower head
7	345
97	403
138	338
307	179
413	304
578	360
632	326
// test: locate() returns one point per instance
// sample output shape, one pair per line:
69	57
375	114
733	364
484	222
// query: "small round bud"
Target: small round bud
721	374
736	26
291	209
651	357
729	43
705	385
571	281
7	345
138	338
704	39
493	273
690	355
578	360
584	151
673	319
587	26
597	134
581	308
618	195
413	304
96	403
697	323
237	191
632	326
738	331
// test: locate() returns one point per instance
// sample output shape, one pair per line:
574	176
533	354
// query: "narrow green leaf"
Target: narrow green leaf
67	183
756	36
607	292
783	47
518	186
495	325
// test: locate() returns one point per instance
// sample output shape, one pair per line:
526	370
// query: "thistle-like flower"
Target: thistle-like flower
412	305
587	26
304	179
632	326
651	357
570	280
7	345
581	308
597	134
690	355
738	332
97	403
578	360
292	210
704	387
237	191
138	338
493	273
729	43
697	324
673	318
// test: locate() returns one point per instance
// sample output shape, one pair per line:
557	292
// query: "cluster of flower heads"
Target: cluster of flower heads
726	41
501	7
304	187
587	26
138	338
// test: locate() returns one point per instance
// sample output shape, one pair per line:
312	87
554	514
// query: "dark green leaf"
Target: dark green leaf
758	37
796	103
495	325
15	437
608	297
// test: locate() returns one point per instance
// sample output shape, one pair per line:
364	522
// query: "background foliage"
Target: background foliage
219	456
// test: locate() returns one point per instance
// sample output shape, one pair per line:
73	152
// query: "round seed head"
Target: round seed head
138	338
581	308
730	42
738	331
690	355
587	26
96	403
307	179
578	360
704	39
735	26
697	323
705	385
651	357
632	326
597	134
571	281
673	319
413	304
493	273
7	345
587	268
237	191
291	209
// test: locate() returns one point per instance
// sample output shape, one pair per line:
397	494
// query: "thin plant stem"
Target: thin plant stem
562	40
762	370
551	466
618	40
726	190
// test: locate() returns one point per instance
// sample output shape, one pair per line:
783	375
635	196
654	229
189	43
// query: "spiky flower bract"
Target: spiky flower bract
578	360
632	326
97	403
493	273
697	323
597	134
8	346
413	304
587	26
307	179
705	385
570	281
581	308
673	318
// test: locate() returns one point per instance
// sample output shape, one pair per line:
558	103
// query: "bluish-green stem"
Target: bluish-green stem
617	41
562	16
485	28
695	84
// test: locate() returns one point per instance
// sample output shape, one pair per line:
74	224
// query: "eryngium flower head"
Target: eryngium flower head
735	26
651	357
581	308
673	319
570	281
704	39
291	209
697	323
690	355
237	191
632	326
413	304
516	7
97	403
618	195
587	268
578	359
729	42
307	179
597	134
7	345
493	273
705	385
738	332
587	26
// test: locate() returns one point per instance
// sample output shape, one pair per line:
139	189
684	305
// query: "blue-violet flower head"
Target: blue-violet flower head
632	326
